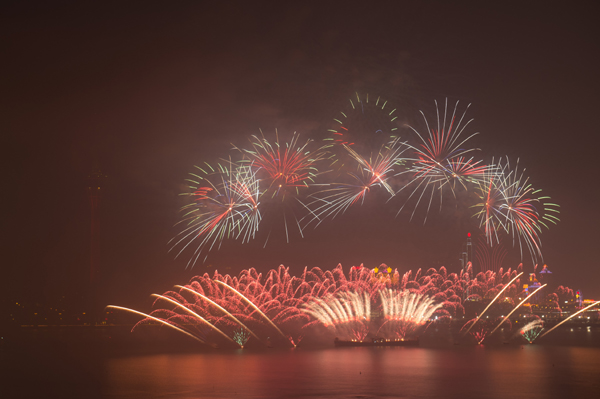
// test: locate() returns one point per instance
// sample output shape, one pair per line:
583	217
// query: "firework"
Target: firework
404	311
510	204
514	309
158	320
348	313
228	314
440	160
252	306
303	183
285	170
489	257
493	300
371	174
241	336
194	315
532	330
491	196
570	317
477	329
224	204
366	123
515	211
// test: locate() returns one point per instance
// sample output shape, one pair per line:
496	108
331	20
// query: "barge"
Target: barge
377	342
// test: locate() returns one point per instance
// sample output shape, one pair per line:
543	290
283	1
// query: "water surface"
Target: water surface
565	364
530	371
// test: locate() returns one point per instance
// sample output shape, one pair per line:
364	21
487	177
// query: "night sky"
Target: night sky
145	91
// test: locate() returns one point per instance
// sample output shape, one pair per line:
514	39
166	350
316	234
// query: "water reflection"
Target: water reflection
529	371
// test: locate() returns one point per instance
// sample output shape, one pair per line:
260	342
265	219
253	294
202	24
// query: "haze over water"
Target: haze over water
564	364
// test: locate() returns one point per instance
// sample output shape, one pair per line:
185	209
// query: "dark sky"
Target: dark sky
146	90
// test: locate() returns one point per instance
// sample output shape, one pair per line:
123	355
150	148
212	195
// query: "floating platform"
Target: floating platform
378	342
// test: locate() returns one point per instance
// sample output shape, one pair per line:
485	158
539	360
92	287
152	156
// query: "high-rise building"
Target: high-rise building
469	249
533	285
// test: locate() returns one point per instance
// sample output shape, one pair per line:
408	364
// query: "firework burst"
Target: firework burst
291	184
223	204
510	204
440	160
285	170
366	123
370	174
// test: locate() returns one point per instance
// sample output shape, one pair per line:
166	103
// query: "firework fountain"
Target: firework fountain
405	311
532	329
247	309
347	313
514	309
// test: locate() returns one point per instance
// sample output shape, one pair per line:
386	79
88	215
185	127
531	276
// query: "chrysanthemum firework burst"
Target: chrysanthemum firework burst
223	204
510	204
366	123
369	174
491	196
440	159
286	171
283	168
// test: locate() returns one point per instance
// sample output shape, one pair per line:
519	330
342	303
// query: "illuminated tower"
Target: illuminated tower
469	249
465	260
579	298
95	183
467	254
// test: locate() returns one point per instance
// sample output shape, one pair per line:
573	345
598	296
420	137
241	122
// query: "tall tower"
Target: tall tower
466	256
95	182
469	249
466	259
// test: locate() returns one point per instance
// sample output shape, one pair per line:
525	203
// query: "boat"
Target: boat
339	342
396	342
377	342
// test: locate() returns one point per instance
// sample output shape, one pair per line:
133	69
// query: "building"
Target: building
545	277
466	257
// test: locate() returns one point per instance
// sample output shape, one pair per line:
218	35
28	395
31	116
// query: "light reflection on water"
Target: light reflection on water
528	371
